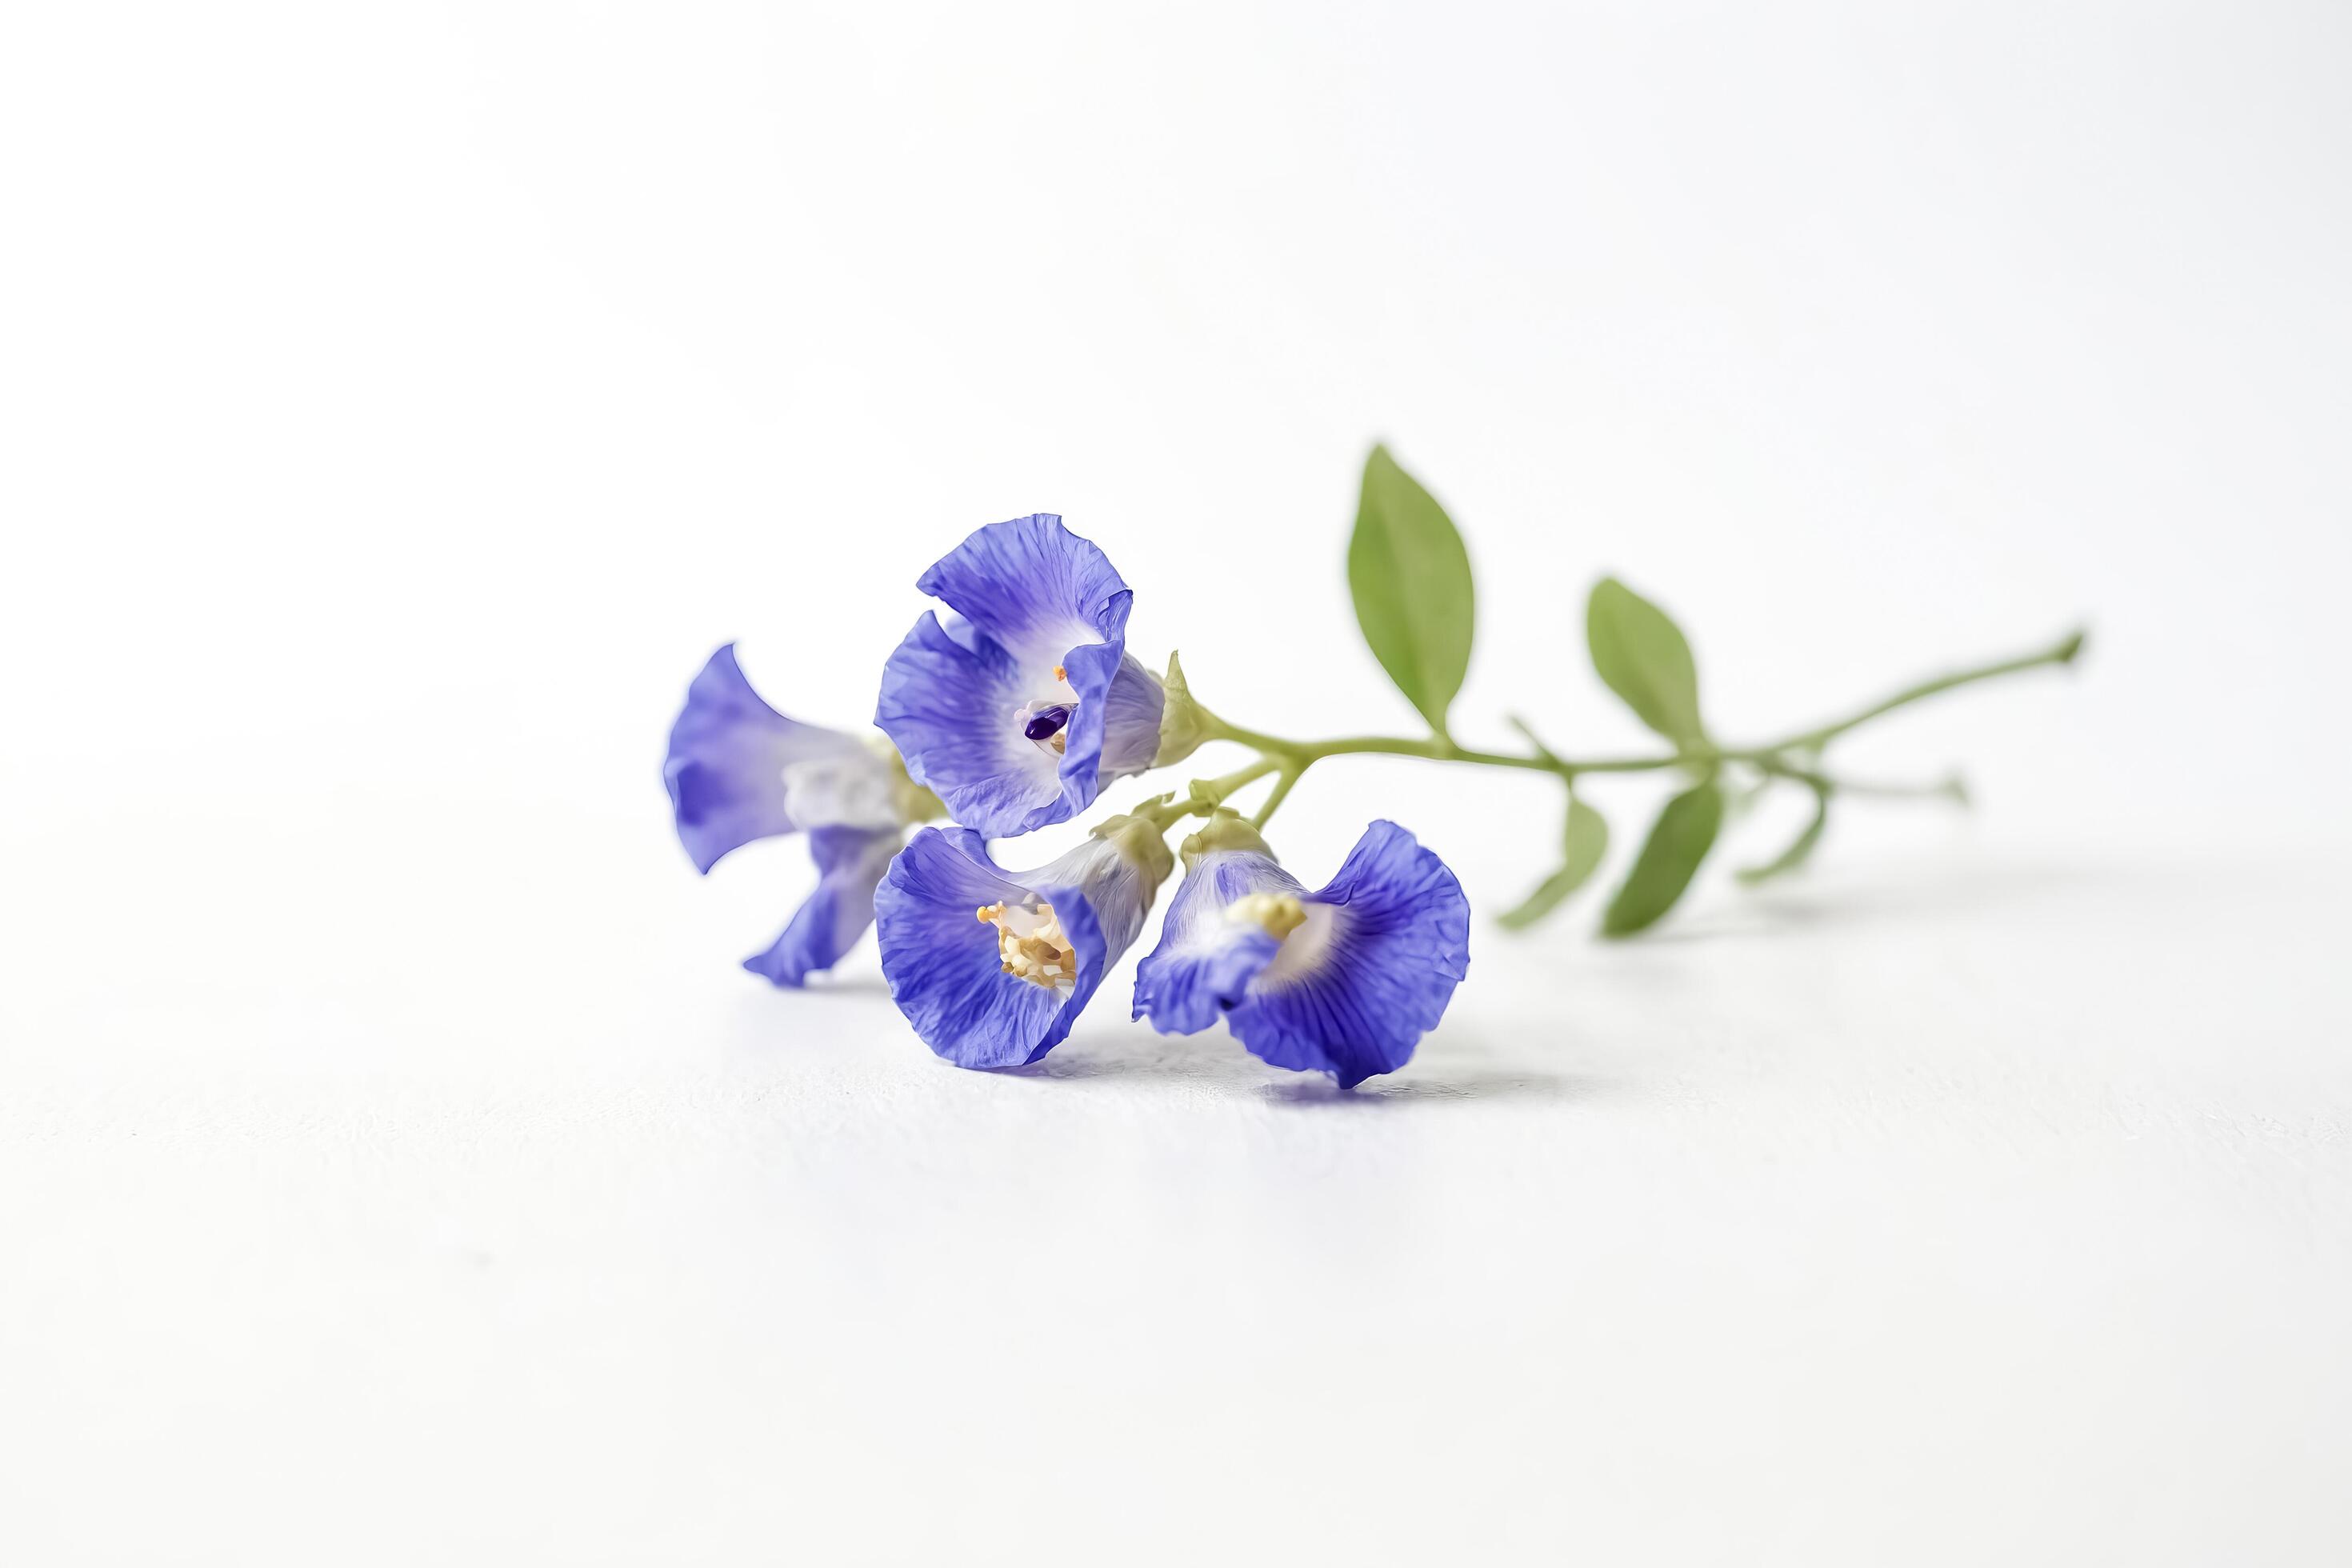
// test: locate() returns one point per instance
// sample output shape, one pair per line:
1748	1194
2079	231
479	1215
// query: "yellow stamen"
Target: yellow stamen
1031	944
1280	913
1061	674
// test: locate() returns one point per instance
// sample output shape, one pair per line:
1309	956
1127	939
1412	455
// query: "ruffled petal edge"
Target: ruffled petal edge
850	864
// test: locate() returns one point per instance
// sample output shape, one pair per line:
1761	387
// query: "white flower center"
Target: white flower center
1304	941
849	789
1031	944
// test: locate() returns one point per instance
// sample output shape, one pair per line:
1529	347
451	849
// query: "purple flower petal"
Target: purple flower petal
730	761
1204	963
850	862
944	962
1043	624
1349	993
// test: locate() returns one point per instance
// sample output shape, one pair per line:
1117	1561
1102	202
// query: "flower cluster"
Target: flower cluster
1011	711
1013	706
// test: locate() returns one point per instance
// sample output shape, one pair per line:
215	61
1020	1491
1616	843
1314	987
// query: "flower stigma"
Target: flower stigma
1047	721
1048	726
1031	944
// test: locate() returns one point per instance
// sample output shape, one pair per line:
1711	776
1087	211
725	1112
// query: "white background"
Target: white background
397	403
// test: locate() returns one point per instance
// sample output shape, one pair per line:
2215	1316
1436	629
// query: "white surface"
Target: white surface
401	404
1983	1210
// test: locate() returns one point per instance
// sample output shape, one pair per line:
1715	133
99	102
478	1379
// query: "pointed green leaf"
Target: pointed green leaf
1586	840
1410	575
1643	656
1796	854
1678	841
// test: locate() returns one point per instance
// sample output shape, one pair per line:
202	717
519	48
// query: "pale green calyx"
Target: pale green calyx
1183	723
1141	842
911	800
1225	829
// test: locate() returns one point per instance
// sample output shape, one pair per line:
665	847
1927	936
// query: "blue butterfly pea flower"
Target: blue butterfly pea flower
737	771
1345	980
1018	709
992	966
850	862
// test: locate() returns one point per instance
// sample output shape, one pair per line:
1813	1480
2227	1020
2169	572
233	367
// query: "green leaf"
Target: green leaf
1643	656
1678	841
1585	841
1411	579
1796	854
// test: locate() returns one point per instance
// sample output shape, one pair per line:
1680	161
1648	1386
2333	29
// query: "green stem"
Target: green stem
1164	811
1952	787
1218	730
2062	652
1304	752
1213	791
1281	788
1291	759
